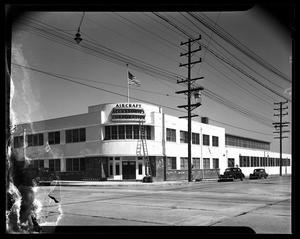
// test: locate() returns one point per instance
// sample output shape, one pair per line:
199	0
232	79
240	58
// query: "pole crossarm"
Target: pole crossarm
181	117
187	80
187	91
190	41
191	63
278	123
187	53
283	131
191	105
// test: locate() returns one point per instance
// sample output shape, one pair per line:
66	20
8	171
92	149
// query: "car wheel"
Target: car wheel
34	182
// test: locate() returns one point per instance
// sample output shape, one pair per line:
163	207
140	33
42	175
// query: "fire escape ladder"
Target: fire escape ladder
145	149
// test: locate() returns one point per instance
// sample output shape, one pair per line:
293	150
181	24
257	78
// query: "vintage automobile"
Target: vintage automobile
232	173
258	173
37	176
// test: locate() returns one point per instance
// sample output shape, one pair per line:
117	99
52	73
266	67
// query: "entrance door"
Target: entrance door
128	170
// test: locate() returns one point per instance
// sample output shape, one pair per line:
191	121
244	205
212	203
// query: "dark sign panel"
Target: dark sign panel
128	112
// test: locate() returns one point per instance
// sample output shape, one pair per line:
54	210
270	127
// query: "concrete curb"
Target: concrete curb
137	183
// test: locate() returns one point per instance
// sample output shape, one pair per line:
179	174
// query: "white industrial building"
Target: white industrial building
113	141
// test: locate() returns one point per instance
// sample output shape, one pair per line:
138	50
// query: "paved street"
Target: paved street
264	205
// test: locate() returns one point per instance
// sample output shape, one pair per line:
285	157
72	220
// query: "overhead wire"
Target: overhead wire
223	58
247	91
220	61
59	76
94	87
236	43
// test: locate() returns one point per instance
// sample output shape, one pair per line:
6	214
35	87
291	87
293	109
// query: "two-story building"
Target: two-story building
106	144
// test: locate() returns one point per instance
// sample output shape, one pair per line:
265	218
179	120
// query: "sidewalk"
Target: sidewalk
125	183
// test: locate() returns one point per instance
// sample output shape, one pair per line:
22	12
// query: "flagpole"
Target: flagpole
127	84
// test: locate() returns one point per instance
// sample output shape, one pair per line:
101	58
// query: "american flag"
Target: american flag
133	81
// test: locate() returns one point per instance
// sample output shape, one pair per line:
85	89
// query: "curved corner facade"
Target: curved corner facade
106	144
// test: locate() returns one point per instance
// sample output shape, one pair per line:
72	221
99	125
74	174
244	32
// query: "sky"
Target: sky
53	76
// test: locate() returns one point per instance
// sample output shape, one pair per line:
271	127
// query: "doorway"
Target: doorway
128	170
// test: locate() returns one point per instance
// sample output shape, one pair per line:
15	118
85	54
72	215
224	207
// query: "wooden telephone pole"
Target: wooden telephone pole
189	107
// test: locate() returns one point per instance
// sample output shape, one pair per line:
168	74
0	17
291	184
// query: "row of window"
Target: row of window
172	163
250	161
233	140
54	164
127	132
72	136
171	137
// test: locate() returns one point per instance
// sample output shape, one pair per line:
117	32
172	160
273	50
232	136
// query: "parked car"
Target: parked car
232	173
258	173
37	176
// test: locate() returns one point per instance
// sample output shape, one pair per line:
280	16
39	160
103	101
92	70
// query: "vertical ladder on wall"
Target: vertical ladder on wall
145	149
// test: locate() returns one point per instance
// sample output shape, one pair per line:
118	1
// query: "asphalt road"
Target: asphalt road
263	205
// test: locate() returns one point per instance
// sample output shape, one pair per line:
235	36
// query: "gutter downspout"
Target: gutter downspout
164	147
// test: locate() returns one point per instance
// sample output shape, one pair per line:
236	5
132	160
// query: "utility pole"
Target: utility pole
189	107
280	125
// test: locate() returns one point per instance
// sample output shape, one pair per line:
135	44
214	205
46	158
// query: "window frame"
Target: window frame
205	140
170	135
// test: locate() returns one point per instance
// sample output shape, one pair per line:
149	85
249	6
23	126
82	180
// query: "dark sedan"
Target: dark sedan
258	173
232	173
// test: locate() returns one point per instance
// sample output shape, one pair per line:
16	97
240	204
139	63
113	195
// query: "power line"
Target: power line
222	58
236	43
212	96
112	92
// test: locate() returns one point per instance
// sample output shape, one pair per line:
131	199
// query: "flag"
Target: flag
133	81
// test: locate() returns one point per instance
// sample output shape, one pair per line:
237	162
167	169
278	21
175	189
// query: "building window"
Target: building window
35	139
148	132
196	163
244	161
121	131
215	141
18	141
171	135
231	162
75	164
111	172
205	139
171	163
114	132
107	133
183	163
140	168
117	169
215	163
38	163
184	137
195	138
54	137
54	165
75	135
206	163
127	132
